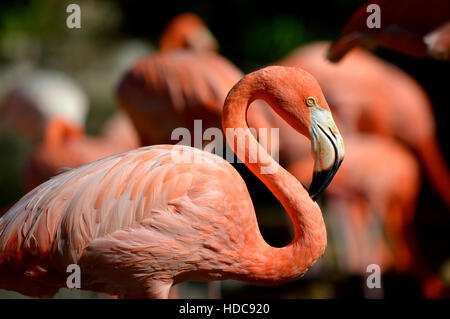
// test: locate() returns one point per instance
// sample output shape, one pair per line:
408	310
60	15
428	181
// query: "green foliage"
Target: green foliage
32	18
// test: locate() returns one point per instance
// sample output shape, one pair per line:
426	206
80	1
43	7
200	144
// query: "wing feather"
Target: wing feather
139	188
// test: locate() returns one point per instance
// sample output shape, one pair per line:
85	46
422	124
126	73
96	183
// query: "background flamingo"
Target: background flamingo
50	109
29	101
39	96
81	216
415	27
66	146
168	90
368	95
97	56
373	197
187	31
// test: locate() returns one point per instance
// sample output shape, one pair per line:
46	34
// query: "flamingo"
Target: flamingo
141	221
67	146
418	28
25	110
166	90
50	109
369	95
360	89
185	81
41	95
187	31
369	201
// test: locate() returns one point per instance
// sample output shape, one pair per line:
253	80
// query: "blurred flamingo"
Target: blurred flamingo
187	31
374	194
183	82
415	27
66	146
41	95
167	90
139	222
369	95
31	108
25	109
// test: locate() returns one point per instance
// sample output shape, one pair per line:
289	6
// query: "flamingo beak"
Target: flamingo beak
328	149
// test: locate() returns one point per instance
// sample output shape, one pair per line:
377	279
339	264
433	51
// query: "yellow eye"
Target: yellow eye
311	101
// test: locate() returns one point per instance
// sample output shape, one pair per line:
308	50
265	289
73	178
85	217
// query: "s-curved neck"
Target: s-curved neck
273	265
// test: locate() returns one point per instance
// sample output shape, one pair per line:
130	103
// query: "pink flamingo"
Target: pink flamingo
375	192
167	90
40	96
369	95
415	27
67	146
187	31
139	222
185	81
360	90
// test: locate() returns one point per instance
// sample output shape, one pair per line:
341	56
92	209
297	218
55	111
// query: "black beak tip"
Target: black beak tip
318	184
322	179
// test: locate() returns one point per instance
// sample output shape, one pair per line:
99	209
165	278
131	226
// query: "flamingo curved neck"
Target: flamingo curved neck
289	262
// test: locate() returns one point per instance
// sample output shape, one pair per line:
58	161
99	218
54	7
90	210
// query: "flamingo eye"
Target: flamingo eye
311	101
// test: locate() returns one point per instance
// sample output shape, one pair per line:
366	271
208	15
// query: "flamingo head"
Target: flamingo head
394	30
298	99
